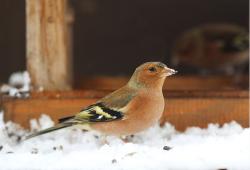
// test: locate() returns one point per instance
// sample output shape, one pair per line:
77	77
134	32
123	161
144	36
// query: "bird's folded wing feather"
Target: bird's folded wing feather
98	113
107	109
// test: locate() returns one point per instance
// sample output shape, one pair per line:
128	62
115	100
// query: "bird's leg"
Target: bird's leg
103	140
109	140
126	139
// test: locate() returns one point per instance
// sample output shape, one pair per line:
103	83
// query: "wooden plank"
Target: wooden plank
47	59
101	93
181	110
200	112
172	83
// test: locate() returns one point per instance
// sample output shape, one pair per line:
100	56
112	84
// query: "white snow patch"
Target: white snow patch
216	147
20	79
19	85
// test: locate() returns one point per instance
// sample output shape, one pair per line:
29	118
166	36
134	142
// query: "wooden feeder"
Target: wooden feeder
200	102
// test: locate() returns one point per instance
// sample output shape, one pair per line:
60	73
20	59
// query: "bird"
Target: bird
133	108
219	48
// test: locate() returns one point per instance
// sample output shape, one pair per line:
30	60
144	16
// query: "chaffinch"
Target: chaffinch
132	108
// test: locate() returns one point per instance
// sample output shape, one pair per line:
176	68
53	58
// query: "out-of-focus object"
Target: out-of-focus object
213	48
47	48
19	85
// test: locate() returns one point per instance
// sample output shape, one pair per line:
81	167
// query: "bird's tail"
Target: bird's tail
51	129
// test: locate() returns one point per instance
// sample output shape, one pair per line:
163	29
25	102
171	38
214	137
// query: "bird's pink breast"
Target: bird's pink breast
143	112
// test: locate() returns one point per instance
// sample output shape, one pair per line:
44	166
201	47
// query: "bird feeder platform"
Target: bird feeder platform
184	107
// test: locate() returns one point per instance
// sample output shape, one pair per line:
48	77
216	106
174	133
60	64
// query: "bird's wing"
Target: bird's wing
109	108
119	98
98	113
94	113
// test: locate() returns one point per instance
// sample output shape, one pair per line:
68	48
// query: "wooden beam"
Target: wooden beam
183	108
178	82
47	59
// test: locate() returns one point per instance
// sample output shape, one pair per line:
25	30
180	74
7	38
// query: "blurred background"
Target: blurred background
206	41
111	38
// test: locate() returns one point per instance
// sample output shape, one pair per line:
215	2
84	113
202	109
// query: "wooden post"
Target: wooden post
47	54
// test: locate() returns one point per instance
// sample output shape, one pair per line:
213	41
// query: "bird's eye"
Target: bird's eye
152	69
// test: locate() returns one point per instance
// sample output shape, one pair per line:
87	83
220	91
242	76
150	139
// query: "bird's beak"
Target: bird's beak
169	71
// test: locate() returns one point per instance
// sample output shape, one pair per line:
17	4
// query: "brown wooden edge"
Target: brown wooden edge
183	108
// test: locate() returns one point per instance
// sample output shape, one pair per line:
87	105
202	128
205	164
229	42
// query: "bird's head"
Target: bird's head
150	74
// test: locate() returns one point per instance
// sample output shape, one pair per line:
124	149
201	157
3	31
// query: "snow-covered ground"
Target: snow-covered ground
226	147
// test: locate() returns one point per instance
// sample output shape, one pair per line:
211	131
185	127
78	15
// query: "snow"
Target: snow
226	147
20	78
19	85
